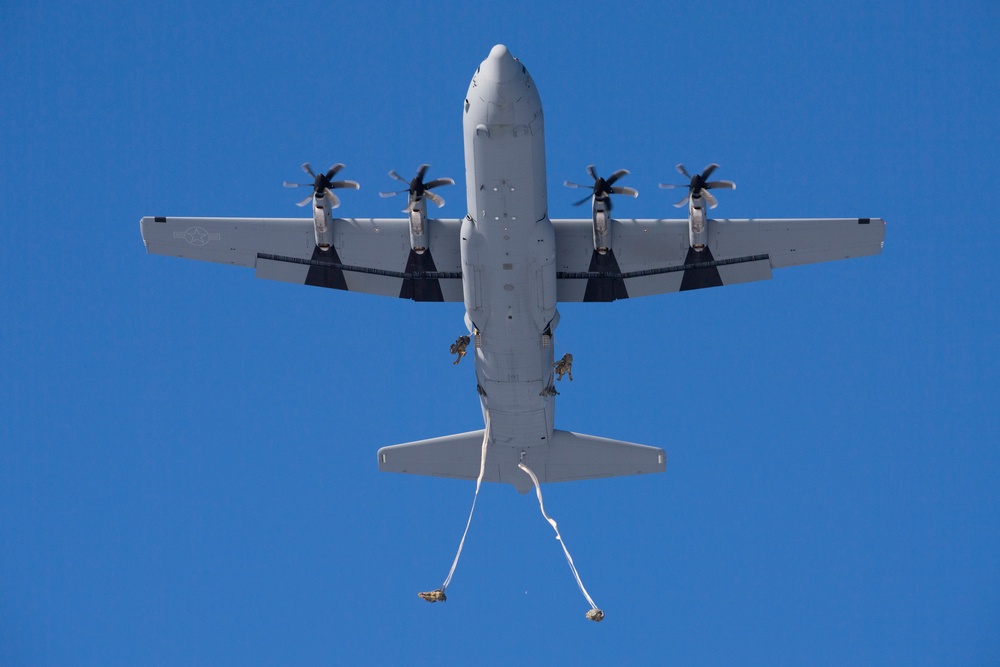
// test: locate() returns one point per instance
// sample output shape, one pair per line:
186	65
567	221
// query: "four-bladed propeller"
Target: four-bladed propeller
323	185
603	188
699	185
417	188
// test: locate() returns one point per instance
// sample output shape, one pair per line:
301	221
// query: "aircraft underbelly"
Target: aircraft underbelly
513	362
508	254
514	370
508	264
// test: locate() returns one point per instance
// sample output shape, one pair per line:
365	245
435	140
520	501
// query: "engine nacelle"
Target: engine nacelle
602	224
418	225
323	221
698	223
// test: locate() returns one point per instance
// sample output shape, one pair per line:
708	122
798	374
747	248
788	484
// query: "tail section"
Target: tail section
568	457
573	456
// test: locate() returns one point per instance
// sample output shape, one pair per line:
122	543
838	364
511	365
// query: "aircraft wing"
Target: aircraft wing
368	255
654	256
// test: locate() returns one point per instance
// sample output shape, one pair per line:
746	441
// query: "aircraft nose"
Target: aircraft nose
500	66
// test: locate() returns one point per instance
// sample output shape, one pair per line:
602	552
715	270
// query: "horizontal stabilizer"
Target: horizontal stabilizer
569	457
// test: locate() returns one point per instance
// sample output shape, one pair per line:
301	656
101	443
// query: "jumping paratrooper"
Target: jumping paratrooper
564	367
459	346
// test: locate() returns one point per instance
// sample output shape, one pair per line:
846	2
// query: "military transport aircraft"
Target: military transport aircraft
511	264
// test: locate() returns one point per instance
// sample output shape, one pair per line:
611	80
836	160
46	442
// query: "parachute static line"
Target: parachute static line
479	483
439	595
595	614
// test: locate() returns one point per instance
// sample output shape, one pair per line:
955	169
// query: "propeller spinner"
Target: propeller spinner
603	188
418	188
323	184
699	185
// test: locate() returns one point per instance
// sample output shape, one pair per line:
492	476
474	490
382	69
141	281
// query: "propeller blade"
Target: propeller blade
670	186
682	201
305	201
592	172
683	171
333	170
393	174
353	185
615	176
438	182
712	201
708	171
435	198
632	192
577	185
297	185
309	170
727	185
334	202
391	194
422	172
585	199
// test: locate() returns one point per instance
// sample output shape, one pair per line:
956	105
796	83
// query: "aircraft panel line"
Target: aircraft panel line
414	275
587	275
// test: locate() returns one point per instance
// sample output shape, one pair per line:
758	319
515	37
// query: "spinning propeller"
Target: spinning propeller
323	185
417	188
699	185
603	188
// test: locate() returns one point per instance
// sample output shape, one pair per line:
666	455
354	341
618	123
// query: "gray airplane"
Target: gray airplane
511	264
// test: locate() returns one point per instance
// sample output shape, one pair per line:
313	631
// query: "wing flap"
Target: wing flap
745	272
289	272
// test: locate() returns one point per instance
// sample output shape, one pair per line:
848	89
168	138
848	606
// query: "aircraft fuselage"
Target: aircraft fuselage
508	252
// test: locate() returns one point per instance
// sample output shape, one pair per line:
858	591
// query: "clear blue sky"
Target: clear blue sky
187	454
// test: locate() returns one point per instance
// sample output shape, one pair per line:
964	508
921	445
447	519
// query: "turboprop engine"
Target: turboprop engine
602	189
698	200
416	207
324	201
